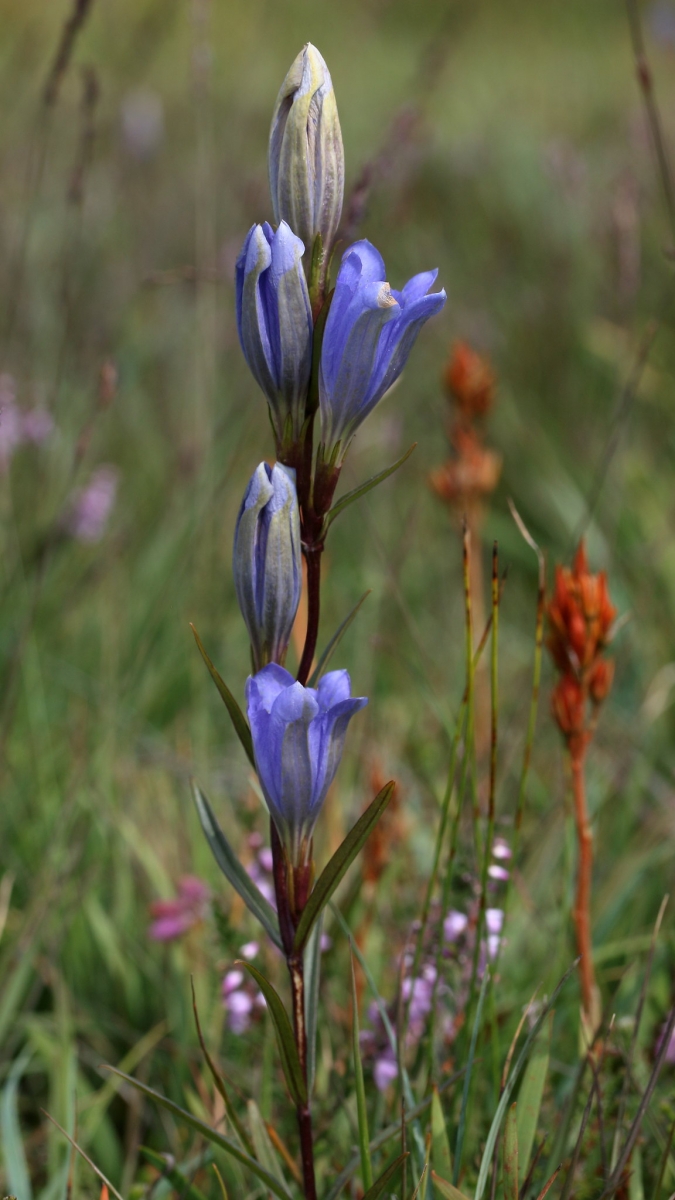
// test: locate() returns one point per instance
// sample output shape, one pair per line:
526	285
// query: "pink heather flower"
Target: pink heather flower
232	981
493	945
260	870
265	859
238	1007
10	421
91	506
496	872
494	920
385	1070
325	943
454	925
36	425
501	848
173	918
249	950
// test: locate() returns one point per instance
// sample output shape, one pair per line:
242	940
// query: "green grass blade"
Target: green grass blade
219	1082
232	869
236	715
264	1150
441	1157
335	642
381	1183
176	1178
511	1082
529	1099
510	1155
361	1111
285	1039
461	1124
211	1135
312	965
14	1155
447	1190
340	863
366	487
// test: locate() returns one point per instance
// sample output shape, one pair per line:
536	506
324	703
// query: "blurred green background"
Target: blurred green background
510	149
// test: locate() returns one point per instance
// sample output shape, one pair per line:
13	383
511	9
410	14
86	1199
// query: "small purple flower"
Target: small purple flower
497	872
90	508
173	918
494	920
238	1006
454	925
385	1070
369	334
501	849
36	425
249	950
298	737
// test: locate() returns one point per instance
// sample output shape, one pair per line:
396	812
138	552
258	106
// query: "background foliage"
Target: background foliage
509	147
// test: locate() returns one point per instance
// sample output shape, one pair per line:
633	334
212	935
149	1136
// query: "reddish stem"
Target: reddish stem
582	906
313	556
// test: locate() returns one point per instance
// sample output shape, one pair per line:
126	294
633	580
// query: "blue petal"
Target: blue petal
419	285
333	687
396	344
372	262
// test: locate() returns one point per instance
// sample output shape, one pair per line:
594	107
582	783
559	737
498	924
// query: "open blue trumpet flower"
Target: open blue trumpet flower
370	331
298	737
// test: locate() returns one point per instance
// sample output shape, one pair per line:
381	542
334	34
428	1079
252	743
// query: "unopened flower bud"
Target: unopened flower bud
600	680
274	319
567	703
306	157
267	561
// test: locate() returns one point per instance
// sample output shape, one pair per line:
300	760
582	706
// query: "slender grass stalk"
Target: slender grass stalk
582	905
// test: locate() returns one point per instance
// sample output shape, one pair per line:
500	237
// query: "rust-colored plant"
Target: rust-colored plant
580	618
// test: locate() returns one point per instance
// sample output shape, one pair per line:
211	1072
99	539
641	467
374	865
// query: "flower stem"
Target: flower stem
582	914
313	557
304	1115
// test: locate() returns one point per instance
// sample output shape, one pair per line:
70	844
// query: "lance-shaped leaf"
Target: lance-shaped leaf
285	1039
529	1100
220	1083
340	863
510	1155
486	1161
233	870
312	963
211	1135
381	1183
361	1111
440	1147
368	486
335	642
236	715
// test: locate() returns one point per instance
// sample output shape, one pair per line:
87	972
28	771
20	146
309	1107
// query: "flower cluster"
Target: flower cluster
173	918
580	618
472	472
17	426
311	350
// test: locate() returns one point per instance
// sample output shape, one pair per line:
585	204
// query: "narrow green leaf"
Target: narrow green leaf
461	1124
264	1150
236	715
529	1100
440	1146
510	1155
340	863
488	1151
361	1111
220	1083
335	642
233	870
381	1183
447	1190
368	486
312	965
210	1134
15	1164
178	1180
285	1039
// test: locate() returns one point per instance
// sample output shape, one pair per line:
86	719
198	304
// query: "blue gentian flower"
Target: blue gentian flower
267	561
370	331
298	736
274	318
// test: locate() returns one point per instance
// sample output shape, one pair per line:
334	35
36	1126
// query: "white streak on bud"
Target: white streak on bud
306	156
